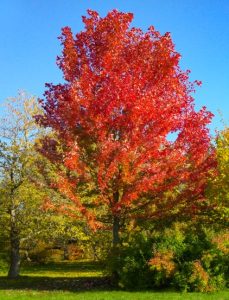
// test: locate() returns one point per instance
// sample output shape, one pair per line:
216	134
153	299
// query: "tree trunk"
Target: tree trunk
27	256
66	252
14	260
14	249
116	239
116	224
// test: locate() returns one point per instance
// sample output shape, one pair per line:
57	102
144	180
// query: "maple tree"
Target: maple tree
124	94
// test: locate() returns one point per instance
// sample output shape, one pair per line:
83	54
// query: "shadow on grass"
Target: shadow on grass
77	266
56	283
66	276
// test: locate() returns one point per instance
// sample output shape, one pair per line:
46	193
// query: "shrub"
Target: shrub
74	252
129	264
97	246
203	265
189	258
199	279
163	266
44	253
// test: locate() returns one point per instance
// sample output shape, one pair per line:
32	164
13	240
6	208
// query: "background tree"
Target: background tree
218	189
21	197
124	94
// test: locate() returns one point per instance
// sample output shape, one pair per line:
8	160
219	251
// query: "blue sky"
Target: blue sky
200	31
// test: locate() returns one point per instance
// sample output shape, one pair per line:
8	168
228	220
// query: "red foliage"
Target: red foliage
124	93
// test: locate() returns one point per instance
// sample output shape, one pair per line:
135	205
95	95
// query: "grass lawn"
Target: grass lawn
80	280
108	295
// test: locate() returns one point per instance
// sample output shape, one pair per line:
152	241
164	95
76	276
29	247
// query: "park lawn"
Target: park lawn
80	280
109	295
68	269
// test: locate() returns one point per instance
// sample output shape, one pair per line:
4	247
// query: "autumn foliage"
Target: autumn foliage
124	95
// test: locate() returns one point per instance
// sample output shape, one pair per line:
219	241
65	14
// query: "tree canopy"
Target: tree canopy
124	95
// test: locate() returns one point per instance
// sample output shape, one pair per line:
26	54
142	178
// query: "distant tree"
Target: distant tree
124	94
21	197
218	189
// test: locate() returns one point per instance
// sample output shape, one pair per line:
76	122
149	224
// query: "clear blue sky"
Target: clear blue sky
199	28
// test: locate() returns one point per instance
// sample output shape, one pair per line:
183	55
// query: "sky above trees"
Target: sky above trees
199	29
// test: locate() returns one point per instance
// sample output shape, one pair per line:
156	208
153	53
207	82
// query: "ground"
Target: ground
80	280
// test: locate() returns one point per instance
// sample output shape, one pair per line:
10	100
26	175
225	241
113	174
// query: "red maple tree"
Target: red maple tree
124	94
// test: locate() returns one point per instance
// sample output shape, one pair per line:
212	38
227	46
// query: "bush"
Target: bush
44	253
202	263
3	263
97	246
129	264
189	258
163	267
74	252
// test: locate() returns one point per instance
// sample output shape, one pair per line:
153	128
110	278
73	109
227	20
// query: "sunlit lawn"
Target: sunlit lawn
108	295
80	280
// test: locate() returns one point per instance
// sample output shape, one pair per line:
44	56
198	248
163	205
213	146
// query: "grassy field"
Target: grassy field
80	280
108	295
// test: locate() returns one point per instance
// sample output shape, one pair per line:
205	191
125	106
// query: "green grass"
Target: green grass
80	280
64	269
109	295
67	276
